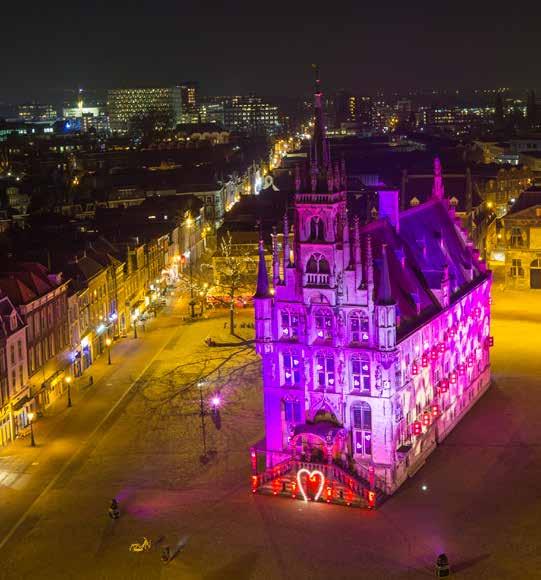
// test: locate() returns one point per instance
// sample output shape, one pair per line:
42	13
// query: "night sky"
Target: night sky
267	47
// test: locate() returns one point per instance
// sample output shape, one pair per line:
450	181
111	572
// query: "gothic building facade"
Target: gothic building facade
374	338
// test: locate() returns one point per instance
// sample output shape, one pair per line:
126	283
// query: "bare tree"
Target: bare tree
236	274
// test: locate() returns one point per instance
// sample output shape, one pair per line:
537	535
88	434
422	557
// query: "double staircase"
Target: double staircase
324	482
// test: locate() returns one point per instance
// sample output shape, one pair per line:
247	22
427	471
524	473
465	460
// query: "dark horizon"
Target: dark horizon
232	49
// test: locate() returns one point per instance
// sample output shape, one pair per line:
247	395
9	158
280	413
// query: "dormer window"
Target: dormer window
13	321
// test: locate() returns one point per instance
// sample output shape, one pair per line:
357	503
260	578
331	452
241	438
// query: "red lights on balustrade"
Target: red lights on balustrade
426	419
476	312
435	409
443	386
452	332
461	368
453	378
416	428
434	354
490	341
414	369
293	489
441	347
424	360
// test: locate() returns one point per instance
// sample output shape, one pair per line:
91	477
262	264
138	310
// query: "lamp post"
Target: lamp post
68	382
188	254
108	343
31	419
202	414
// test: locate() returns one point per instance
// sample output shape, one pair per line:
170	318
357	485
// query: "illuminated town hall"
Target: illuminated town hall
374	337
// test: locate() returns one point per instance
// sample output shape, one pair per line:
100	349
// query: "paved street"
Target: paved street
482	504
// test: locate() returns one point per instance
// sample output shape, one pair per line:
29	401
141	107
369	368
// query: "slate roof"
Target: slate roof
527	199
427	241
23	282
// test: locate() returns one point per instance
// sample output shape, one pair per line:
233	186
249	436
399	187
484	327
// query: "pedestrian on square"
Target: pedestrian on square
91	380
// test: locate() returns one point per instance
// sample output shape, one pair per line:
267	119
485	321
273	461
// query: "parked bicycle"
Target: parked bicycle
143	547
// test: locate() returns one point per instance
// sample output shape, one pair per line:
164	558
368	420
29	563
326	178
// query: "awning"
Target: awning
21	402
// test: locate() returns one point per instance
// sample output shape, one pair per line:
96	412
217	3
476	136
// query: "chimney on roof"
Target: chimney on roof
388	206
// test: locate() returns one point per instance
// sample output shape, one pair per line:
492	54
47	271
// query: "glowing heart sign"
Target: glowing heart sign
311	477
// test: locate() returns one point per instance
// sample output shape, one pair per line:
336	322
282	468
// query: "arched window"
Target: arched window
317	229
360	373
324	324
290	324
361	420
325	370
318	264
358	327
292	369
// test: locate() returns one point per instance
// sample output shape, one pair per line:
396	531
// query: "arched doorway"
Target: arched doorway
535	274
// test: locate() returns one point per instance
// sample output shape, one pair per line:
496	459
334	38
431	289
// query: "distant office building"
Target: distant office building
251	115
36	112
364	112
85	118
345	106
124	105
188	96
212	113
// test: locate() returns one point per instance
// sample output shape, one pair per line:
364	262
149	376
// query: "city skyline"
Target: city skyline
360	47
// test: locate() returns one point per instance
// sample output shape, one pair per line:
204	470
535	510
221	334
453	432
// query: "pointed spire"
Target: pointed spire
343	174
297	178
385	295
357	252
286	243
262	289
275	259
319	151
437	188
369	262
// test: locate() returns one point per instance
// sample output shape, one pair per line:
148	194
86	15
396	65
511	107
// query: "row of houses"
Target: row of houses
56	321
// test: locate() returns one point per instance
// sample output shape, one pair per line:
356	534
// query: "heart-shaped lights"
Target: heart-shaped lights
311	475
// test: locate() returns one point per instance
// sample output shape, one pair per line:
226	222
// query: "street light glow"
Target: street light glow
216	401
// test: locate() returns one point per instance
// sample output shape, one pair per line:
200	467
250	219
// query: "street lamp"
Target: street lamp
108	343
31	419
135	327
187	255
68	382
202	415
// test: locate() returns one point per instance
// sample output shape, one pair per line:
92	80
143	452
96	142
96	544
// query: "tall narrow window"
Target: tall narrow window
362	426
325	370
290	324
292	411
360	373
317	230
323	319
358	327
292	369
